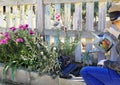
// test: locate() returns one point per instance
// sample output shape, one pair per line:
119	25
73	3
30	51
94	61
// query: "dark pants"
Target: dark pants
94	75
69	68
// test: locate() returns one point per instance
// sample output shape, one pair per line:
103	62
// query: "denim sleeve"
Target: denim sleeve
114	65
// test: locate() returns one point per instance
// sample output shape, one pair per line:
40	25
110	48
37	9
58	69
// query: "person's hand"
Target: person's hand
101	62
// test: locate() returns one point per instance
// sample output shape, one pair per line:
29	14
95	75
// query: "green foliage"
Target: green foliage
87	58
24	48
67	47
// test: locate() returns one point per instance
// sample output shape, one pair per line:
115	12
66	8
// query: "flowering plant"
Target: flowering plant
25	48
13	43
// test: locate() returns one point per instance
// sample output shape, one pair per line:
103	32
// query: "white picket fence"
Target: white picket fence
40	14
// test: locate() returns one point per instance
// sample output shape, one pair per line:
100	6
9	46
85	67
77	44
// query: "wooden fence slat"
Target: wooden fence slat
22	14
67	21
30	16
47	21
89	24
78	52
57	8
77	17
7	17
47	17
16	14
89	16
11	17
77	25
2	22
40	16
34	16
102	15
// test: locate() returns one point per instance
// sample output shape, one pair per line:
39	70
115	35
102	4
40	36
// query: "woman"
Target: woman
108	73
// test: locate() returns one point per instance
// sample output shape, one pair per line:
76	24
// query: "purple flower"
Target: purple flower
23	27
57	16
31	32
3	41
7	38
13	29
7	35
19	40
26	25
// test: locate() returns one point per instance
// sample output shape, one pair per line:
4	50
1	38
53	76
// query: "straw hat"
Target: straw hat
114	7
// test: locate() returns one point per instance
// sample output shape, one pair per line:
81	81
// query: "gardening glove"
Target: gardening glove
101	62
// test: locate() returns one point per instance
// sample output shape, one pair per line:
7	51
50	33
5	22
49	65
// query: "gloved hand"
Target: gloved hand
101	62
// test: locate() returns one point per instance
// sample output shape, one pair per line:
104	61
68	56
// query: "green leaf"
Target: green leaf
14	70
7	66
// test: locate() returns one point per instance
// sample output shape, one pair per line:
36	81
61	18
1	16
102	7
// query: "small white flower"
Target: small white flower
54	48
42	53
41	37
50	55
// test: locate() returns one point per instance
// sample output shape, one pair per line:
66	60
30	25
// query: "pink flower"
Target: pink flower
3	41
19	40
23	27
13	29
26	25
7	35
57	16
6	38
31	32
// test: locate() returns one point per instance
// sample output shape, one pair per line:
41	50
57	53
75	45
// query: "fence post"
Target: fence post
40	16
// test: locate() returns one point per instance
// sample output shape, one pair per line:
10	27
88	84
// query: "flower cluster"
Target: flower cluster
57	16
13	43
7	36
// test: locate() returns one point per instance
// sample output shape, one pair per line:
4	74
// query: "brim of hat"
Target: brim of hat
114	7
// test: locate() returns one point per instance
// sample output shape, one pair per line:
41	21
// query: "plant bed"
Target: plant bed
22	77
